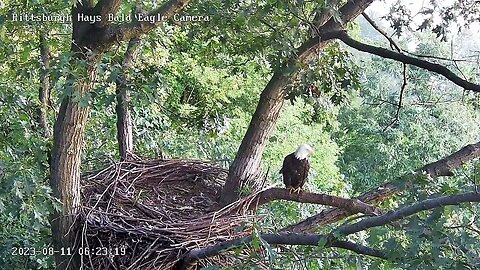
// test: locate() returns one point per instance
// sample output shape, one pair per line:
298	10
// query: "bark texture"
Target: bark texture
245	169
349	205
65	171
124	119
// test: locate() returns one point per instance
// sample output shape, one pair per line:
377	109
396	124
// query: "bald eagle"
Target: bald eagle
295	168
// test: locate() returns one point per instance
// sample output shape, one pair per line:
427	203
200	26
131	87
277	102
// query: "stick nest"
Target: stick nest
146	214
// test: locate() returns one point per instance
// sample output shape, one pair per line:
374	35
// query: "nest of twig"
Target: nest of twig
147	214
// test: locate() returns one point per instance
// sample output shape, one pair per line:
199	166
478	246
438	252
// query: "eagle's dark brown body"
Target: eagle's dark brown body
294	171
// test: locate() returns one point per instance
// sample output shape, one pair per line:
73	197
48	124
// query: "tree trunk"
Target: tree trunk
245	169
43	92
65	170
88	44
124	120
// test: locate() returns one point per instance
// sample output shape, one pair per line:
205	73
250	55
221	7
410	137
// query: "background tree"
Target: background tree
124	121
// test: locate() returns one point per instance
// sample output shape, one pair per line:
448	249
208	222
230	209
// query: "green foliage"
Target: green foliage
439	17
432	123
328	82
26	200
194	89
25	197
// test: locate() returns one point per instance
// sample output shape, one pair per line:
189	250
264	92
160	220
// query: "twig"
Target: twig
393	45
400	99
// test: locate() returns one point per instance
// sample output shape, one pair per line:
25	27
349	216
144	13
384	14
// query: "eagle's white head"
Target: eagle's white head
303	151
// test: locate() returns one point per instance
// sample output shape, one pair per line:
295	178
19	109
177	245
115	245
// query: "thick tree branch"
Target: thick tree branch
128	31
359	249
443	167
104	8
330	240
276	239
309	50
437	68
351	205
408	211
44	91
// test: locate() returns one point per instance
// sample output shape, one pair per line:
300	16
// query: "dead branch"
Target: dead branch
443	167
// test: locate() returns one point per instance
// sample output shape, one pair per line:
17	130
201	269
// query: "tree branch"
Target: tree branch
445	166
309	49
400	99
128	31
393	45
359	249
408	211
285	238
438	168
124	120
276	239
437	68
104	8
44	91
272	194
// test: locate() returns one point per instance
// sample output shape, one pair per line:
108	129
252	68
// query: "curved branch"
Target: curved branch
277	239
324	25
330	240
443	167
393	44
351	205
409	210
134	29
437	68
